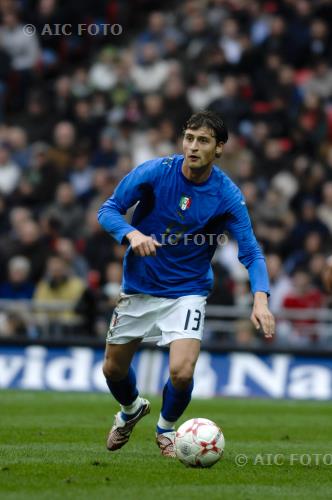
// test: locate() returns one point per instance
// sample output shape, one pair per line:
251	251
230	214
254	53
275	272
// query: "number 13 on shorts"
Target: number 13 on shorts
191	315
183	318
193	320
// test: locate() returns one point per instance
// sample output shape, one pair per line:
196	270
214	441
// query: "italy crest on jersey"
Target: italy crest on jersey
185	202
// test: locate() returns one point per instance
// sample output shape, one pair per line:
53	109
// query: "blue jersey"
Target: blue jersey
186	218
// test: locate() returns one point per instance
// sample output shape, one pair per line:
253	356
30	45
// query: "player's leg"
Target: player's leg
120	377
121	380
177	391
183	355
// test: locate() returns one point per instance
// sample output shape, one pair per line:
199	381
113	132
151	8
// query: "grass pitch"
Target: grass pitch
52	446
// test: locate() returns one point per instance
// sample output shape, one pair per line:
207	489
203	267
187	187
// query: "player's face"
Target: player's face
200	147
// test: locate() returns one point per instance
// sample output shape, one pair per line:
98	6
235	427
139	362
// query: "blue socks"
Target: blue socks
125	390
174	403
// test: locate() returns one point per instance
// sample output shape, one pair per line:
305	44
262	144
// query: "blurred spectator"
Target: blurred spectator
222	292
149	72
4	77
113	280
62	98
245	335
47	12
153	108
203	91
273	207
260	26
12	324
39	182
30	244
166	38
102	75
230	40
106	154
324	210
59	284
197	33
242	294
311	127
299	30
4	220
104	183
288	91
23	50
307	222
274	237
150	144
80	86
280	283
318	45
320	84
81	175
313	244
303	296
18	216
9	171
231	105
87	125
278	40
98	245
265	79
18	285
317	269
272	159
36	119
18	142
66	250
226	256
61	154
177	108
310	177
67	211
232	155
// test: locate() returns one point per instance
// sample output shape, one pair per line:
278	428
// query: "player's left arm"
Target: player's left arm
251	256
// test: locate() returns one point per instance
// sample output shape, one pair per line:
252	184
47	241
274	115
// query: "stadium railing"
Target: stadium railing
36	321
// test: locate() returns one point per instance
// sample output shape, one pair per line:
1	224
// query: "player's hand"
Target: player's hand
261	315
142	245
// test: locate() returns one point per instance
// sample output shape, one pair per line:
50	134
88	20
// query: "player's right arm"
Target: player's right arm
128	192
142	245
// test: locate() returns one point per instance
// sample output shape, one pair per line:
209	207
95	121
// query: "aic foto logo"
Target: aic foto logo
67	29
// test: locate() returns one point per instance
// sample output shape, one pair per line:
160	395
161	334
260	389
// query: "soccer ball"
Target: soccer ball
199	443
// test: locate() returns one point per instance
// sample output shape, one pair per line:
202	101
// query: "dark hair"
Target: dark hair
211	120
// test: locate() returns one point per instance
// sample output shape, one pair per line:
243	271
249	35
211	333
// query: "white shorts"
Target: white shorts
156	319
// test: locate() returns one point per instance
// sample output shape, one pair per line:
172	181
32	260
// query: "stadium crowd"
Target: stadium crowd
78	112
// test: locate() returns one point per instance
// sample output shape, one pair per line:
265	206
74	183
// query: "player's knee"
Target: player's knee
181	377
112	370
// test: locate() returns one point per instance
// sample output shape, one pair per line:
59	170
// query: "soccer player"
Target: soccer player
184	203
